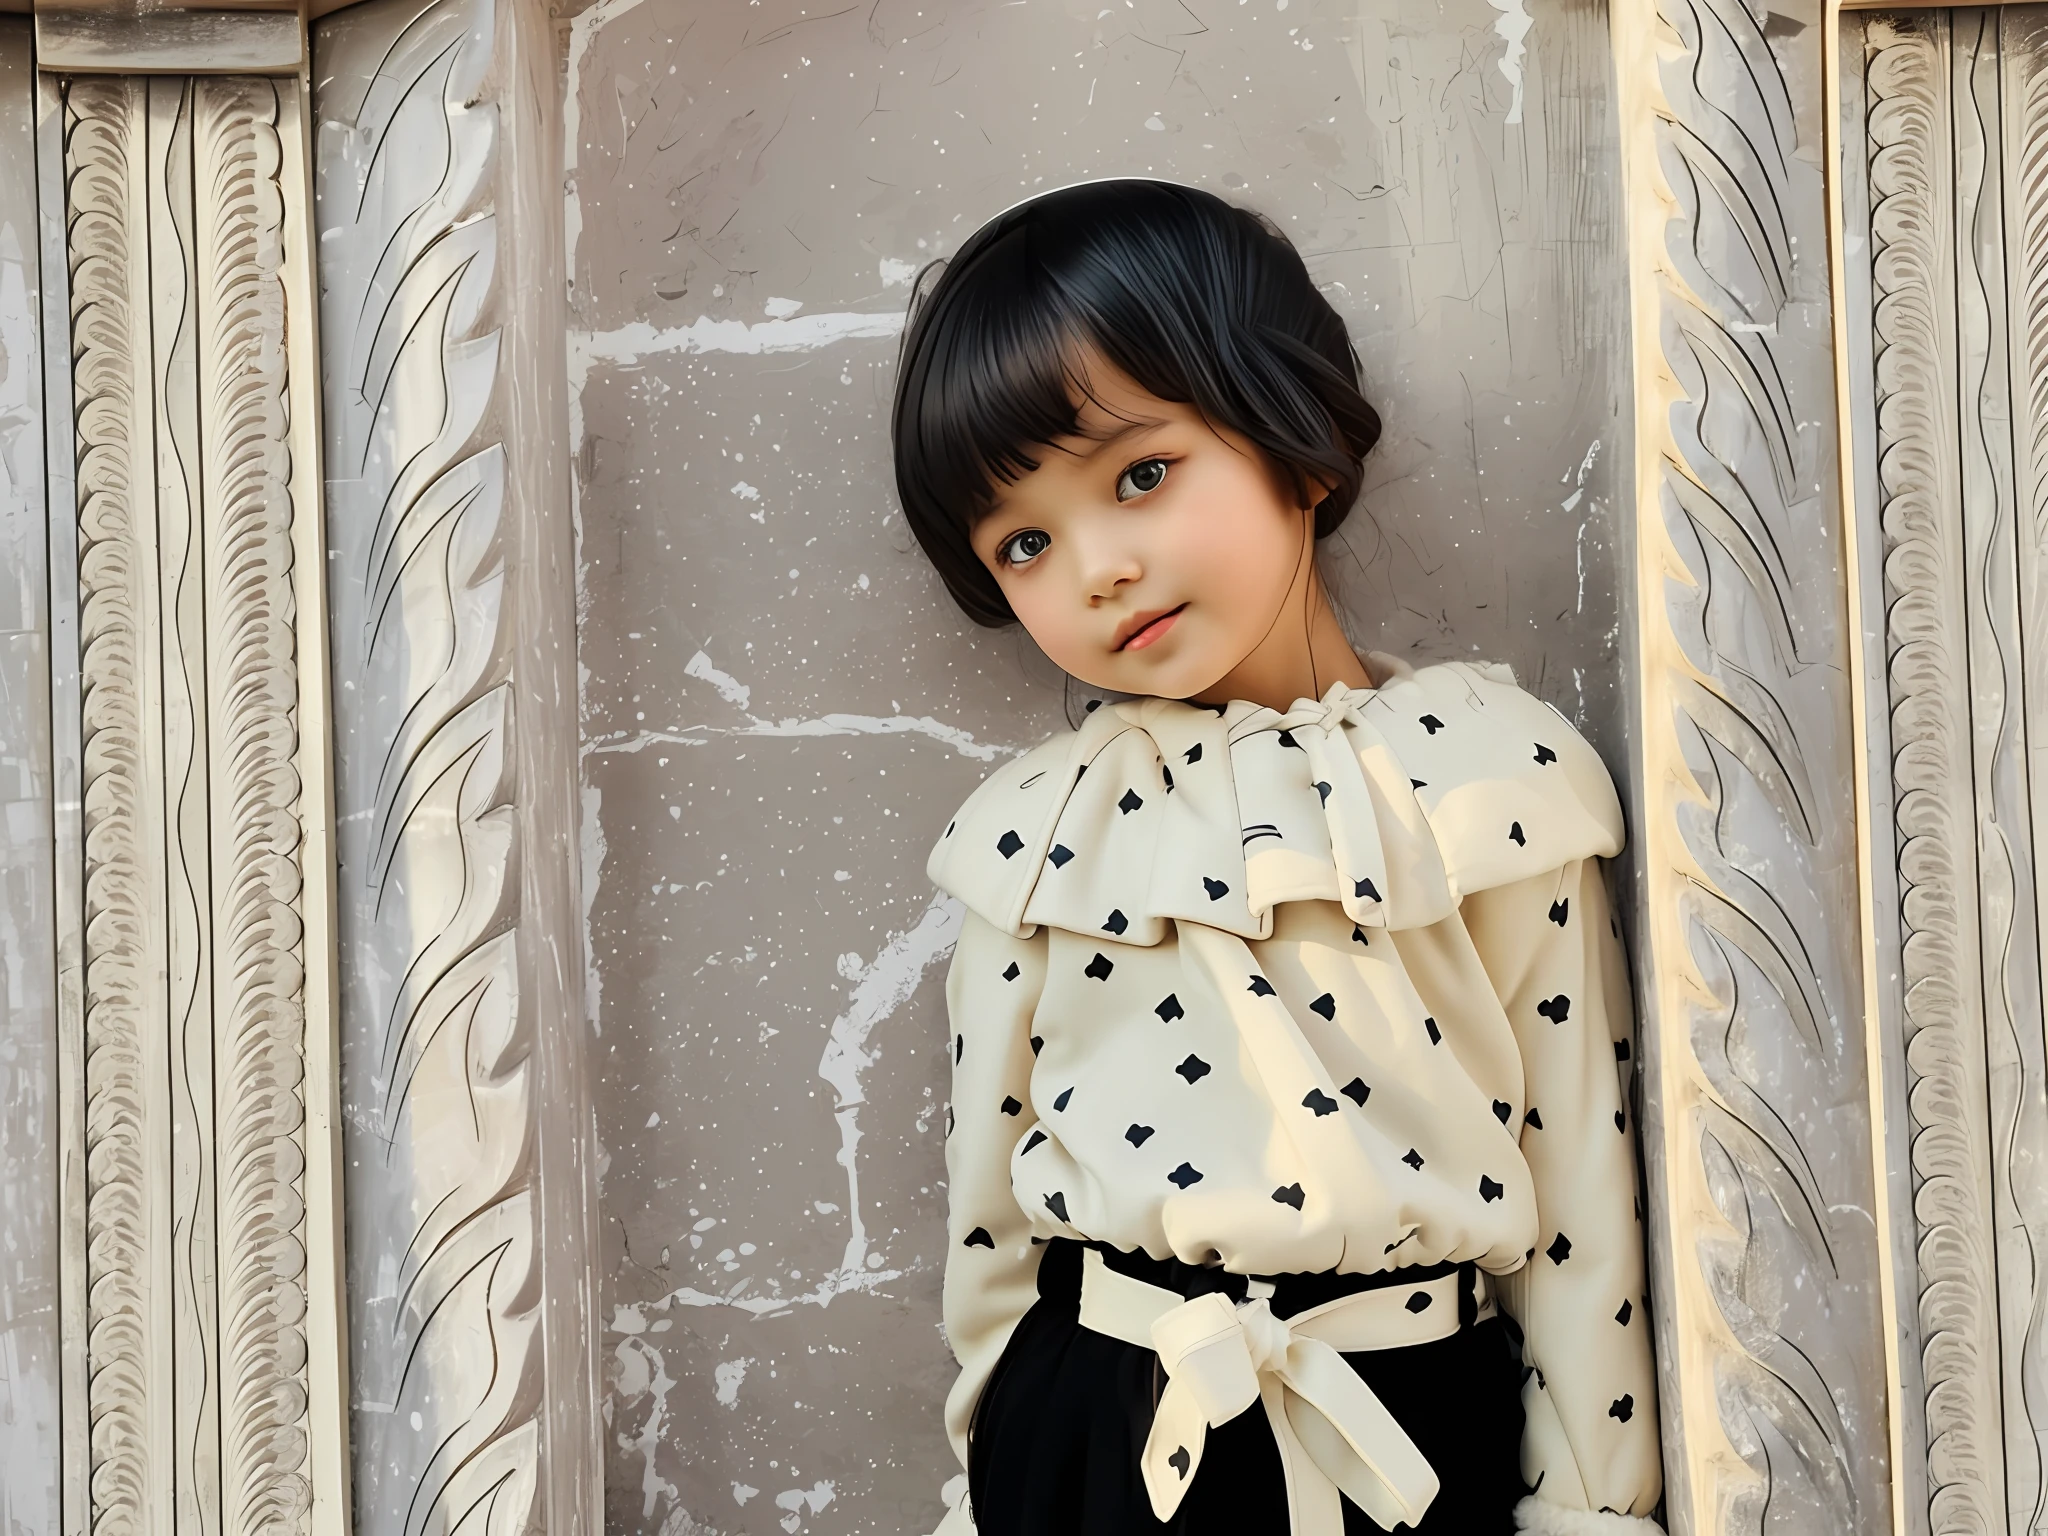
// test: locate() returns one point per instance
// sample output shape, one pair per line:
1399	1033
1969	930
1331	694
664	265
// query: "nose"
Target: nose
1107	563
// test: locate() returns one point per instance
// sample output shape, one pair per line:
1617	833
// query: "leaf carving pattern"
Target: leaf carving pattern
438	1038
252	670
118	901
1772	1356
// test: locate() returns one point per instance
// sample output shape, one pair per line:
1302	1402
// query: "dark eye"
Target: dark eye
1023	548
1141	477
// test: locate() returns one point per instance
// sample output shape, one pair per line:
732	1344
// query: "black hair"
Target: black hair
1199	302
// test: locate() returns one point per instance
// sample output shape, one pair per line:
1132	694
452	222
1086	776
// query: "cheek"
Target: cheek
1049	621
1237	543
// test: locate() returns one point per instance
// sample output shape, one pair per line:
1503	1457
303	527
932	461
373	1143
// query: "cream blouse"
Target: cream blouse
1335	989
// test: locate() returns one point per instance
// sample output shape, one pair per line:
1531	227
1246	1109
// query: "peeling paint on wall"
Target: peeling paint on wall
780	706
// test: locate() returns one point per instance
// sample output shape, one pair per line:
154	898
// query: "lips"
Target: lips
1141	629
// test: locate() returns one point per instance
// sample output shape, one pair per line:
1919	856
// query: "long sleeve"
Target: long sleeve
991	1262
1590	1446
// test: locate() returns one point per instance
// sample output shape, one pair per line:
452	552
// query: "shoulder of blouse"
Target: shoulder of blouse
1395	801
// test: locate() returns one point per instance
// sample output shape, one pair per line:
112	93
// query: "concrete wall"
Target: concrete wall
779	705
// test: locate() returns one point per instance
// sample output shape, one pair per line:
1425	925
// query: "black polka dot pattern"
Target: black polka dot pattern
1180	1461
1548	929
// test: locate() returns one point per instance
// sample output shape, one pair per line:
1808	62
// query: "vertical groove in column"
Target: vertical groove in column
2023	68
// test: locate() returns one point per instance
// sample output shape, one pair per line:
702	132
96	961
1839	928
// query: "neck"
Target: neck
1301	656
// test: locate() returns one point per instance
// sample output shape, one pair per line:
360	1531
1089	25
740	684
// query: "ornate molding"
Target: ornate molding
205	1077
252	670
1764	1248
123	1280
1954	125
1918	453
470	1200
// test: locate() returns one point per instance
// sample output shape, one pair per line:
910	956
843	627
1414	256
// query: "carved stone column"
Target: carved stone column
1768	1224
1946	172
196	1019
471	1200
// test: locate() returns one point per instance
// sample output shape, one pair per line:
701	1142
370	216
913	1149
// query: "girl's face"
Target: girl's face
1150	553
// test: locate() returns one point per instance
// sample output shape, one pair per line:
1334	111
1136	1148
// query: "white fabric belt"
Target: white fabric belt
1220	1357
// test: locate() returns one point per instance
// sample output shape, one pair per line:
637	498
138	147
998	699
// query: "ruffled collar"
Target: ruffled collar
1393	801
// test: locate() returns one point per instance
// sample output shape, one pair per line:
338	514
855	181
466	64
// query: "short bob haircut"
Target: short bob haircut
1197	301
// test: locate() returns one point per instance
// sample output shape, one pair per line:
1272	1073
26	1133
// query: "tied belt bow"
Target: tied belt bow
1334	1434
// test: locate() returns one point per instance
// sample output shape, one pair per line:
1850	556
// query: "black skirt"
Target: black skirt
1054	1446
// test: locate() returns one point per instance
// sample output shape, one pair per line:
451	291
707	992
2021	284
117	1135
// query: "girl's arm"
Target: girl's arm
991	1262
1590	1445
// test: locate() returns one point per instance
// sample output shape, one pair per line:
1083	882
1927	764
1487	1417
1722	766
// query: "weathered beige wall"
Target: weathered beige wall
780	707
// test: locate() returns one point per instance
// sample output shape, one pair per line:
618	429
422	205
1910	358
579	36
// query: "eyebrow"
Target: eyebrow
1104	440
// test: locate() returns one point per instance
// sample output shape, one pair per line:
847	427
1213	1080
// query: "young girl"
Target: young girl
1292	1181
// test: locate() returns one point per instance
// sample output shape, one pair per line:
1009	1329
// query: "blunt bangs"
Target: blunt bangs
1199	302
